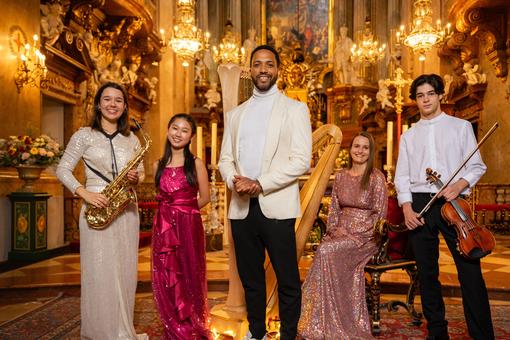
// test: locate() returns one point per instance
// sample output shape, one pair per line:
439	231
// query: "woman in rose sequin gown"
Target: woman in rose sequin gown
178	246
333	303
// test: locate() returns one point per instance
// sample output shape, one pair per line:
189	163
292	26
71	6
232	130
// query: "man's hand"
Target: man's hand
453	191
411	217
245	185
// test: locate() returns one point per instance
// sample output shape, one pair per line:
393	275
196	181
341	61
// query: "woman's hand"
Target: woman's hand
94	198
132	176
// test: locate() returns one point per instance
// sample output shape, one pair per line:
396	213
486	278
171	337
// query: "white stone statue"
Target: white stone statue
473	74
213	96
152	88
51	21
383	95
448	79
249	45
342	62
200	73
366	100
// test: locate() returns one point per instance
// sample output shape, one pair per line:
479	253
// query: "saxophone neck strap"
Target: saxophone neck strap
100	175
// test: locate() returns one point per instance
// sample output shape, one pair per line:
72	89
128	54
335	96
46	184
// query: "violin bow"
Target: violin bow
434	198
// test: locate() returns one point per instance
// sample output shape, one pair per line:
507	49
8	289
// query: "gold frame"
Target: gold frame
331	30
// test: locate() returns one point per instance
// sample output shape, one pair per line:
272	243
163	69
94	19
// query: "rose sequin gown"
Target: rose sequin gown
178	259
333	304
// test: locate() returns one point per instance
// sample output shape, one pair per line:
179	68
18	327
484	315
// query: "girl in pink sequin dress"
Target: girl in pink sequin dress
178	247
333	303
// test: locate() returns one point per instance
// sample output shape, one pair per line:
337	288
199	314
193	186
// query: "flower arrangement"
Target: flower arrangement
26	150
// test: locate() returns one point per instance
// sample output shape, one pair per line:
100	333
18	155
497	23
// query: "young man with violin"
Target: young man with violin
440	142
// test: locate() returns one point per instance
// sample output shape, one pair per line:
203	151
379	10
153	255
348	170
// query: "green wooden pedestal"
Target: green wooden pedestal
29	226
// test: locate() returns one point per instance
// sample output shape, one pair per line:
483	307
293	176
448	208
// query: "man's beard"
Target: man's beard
265	87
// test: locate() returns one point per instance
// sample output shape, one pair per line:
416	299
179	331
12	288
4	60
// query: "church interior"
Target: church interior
350	61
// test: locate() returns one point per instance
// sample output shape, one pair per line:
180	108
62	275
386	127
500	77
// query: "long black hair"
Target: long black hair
123	122
189	158
370	162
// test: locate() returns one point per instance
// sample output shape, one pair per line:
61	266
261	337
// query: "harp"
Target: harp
326	142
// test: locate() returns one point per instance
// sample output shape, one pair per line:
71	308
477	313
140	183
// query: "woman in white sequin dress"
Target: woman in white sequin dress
108	257
333	303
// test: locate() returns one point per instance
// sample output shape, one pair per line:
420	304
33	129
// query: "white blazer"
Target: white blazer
286	156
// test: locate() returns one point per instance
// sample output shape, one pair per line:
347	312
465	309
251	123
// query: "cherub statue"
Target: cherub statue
129	76
152	88
366	100
51	21
115	68
213	96
383	95
472	75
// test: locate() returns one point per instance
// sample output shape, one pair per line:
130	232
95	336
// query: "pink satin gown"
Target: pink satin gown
178	259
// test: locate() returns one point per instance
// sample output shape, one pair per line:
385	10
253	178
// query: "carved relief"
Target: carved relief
487	24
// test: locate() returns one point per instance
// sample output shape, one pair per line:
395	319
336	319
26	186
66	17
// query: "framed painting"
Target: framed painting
307	22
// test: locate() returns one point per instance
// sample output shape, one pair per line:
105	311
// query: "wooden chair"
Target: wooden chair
391	239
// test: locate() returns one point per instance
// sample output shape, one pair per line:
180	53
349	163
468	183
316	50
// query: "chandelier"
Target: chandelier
187	39
31	66
423	35
228	52
368	50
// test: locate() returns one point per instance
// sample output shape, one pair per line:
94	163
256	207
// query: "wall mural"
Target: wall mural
303	22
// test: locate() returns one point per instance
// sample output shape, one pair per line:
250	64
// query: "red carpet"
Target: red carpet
60	319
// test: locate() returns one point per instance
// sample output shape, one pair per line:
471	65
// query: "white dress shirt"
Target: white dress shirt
252	131
442	144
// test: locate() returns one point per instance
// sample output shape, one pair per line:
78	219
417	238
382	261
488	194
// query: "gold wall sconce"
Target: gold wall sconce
31	69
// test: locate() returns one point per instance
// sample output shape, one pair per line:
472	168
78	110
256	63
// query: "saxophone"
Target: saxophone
118	192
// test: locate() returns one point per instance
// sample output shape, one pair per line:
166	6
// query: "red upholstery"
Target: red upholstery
398	240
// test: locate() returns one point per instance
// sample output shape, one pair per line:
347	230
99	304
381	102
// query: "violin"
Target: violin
474	241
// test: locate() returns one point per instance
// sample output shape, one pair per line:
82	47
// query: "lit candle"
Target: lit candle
404	128
389	145
200	142
214	142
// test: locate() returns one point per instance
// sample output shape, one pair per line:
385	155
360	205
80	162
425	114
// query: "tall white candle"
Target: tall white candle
389	145
200	141
214	142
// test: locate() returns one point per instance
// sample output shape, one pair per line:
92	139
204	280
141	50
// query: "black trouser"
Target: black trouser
251	237
425	243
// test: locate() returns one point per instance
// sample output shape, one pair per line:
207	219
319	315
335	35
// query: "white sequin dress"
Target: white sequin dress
108	257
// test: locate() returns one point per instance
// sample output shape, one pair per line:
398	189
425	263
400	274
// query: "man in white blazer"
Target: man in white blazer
267	145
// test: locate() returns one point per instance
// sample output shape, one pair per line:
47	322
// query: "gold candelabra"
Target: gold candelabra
423	35
399	82
31	70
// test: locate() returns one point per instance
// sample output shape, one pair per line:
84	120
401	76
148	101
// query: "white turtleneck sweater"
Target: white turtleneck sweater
252	131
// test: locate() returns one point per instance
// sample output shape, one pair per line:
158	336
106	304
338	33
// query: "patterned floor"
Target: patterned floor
65	271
